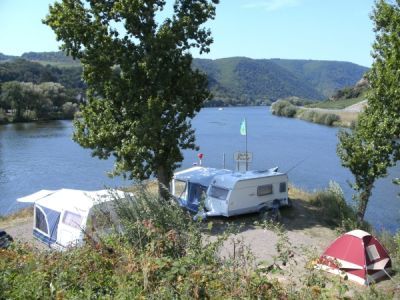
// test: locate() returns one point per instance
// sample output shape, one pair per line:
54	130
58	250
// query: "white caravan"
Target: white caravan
227	193
61	217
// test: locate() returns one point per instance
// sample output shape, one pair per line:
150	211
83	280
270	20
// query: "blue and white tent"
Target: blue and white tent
60	216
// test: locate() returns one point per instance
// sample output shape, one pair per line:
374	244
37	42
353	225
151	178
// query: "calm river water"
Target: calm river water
35	156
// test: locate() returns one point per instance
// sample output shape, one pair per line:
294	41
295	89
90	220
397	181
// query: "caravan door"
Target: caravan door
70	228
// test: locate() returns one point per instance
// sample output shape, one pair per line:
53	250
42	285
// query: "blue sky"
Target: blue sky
296	29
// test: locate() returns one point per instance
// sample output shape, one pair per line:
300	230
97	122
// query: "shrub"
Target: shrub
318	117
284	108
122	268
307	115
330	119
334	208
3	116
69	109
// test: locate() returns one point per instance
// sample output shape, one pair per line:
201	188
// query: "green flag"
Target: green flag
243	130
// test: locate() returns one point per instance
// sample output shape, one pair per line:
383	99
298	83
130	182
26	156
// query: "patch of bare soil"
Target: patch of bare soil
305	236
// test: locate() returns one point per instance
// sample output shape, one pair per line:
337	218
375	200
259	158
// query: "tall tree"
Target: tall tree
373	146
142	91
13	96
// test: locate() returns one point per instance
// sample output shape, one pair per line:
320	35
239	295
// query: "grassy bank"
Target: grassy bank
337	104
17	217
164	254
323	113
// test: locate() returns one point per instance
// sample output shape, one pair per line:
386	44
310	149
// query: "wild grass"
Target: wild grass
161	253
324	118
21	215
336	104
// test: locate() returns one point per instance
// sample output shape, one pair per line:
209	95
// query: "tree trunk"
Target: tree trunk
363	202
163	183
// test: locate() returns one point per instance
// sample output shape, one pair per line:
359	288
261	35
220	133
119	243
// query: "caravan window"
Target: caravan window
180	189
282	187
40	221
219	193
72	219
265	189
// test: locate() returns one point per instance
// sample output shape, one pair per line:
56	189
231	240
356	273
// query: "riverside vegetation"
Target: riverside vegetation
30	91
162	253
325	112
233	81
286	109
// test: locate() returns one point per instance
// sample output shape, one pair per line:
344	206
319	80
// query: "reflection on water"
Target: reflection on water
36	156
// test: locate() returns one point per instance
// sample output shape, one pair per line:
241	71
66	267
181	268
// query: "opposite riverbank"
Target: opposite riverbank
344	117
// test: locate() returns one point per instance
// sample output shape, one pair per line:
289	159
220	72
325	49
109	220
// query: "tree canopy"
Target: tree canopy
142	91
373	146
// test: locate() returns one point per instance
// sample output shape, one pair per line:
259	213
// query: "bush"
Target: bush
330	119
69	109
161	254
334	208
3	116
284	108
318	117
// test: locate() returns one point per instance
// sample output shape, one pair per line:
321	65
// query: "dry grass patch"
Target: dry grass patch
18	217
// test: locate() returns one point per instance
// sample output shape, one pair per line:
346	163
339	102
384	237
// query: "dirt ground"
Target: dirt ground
308	236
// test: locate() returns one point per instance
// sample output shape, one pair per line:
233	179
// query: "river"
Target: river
36	156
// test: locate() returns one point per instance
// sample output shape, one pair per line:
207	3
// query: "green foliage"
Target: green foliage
142	90
144	218
325	77
119	268
233	81
56	58
334	209
366	159
314	116
31	101
373	146
284	108
69	109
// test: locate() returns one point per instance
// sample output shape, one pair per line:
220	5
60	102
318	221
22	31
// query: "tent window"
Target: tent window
72	219
180	189
265	189
40	221
282	187
372	252
219	193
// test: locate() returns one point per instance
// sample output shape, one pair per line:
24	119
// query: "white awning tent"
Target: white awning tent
60	216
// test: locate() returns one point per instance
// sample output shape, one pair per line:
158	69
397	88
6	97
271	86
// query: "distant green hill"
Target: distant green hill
248	81
245	81
325	76
51	58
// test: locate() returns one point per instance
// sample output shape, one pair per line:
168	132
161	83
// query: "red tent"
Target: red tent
357	255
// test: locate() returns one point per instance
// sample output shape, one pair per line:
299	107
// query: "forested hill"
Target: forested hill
325	76
240	80
245	81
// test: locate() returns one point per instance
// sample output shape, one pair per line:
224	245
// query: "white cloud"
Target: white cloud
271	5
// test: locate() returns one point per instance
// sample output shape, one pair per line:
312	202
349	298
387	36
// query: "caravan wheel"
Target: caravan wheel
273	215
5	240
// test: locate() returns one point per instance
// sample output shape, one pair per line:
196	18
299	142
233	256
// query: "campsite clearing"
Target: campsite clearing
307	232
